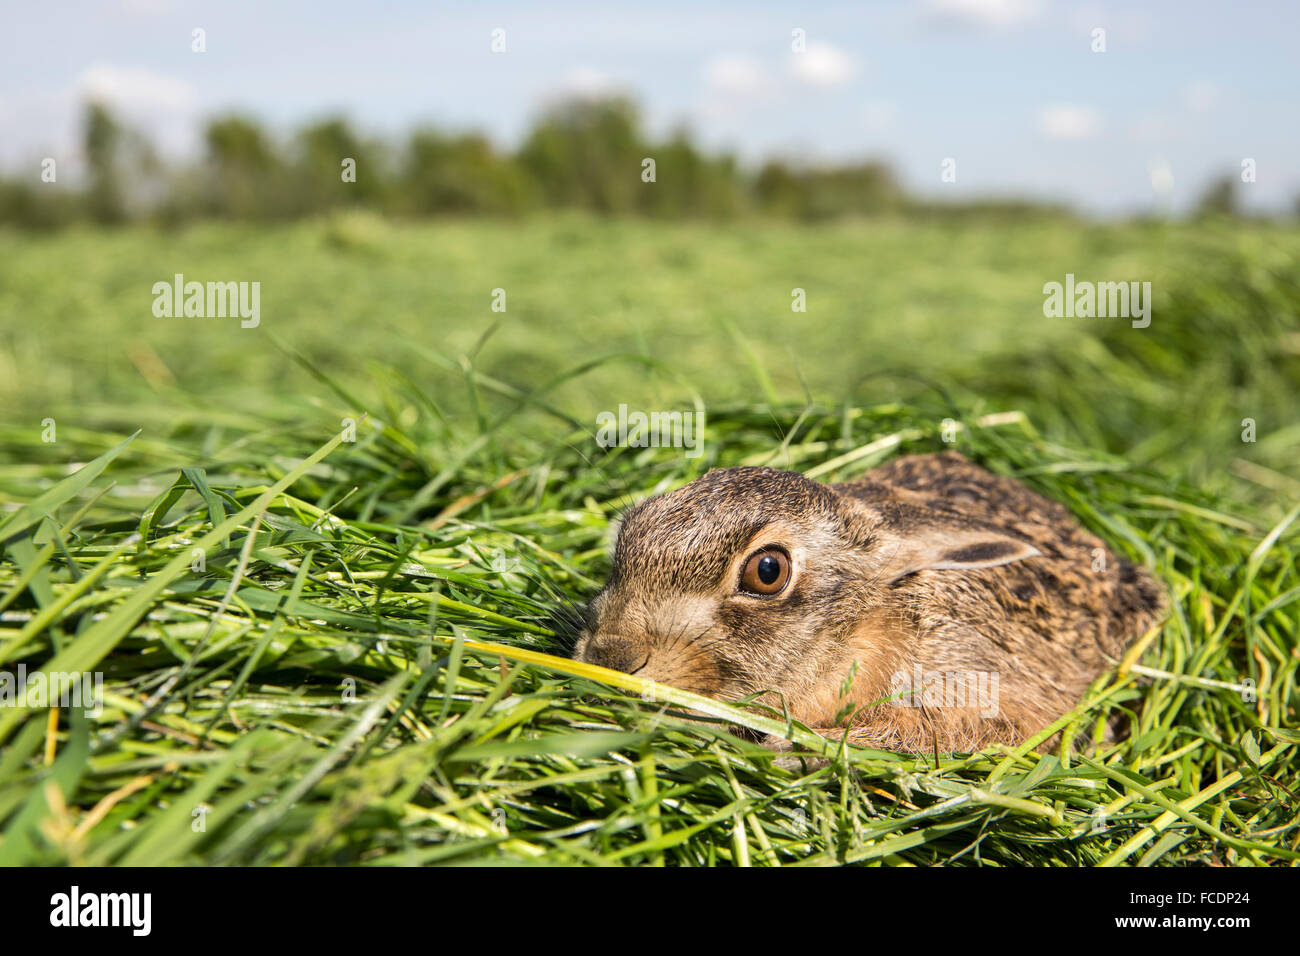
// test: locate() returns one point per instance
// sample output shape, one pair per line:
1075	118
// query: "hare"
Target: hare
927	604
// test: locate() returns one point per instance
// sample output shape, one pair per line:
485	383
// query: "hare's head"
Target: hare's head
753	579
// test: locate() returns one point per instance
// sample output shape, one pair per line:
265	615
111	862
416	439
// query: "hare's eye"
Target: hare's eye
766	572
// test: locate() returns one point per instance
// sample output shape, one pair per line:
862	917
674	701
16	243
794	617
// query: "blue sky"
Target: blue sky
1010	89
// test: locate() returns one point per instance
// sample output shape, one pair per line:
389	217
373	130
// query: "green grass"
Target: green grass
359	673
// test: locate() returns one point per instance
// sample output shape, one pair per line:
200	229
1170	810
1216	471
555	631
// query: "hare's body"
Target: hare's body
928	603
1047	626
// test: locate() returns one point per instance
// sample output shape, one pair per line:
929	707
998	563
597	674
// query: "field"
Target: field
323	650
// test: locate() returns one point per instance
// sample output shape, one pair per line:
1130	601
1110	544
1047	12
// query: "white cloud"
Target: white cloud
822	65
1161	175
734	75
163	107
982	13
1068	122
136	91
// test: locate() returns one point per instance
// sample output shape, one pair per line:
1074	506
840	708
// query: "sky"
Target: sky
1012	91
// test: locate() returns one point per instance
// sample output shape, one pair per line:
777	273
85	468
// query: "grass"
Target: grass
363	668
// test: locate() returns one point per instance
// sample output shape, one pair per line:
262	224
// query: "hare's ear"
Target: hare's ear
909	538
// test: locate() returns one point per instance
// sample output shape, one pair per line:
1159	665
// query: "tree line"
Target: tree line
582	154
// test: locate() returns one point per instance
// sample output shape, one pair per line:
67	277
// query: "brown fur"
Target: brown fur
995	607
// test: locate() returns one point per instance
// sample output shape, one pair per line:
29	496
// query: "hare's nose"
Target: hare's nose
616	652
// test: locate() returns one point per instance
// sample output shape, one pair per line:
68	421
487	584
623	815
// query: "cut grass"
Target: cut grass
344	684
362	669
896	311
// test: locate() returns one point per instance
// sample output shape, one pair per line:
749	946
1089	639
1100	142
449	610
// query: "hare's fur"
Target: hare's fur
932	603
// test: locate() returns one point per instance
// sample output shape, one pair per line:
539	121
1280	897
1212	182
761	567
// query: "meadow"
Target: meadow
327	566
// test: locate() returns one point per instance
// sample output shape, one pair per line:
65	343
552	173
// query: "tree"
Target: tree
462	174
322	148
1219	198
245	172
102	143
588	153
